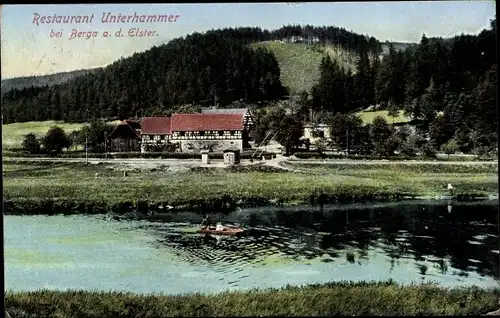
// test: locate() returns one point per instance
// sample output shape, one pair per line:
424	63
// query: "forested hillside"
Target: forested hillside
447	86
217	66
44	80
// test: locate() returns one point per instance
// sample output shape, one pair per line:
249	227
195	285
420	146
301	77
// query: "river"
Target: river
450	244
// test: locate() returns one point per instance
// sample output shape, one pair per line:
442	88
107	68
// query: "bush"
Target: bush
55	141
428	150
450	147
160	147
31	144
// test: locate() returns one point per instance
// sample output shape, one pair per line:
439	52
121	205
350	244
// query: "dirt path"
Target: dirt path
273	162
381	162
277	163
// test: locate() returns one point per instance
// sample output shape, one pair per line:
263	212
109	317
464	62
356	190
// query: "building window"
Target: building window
202	133
162	137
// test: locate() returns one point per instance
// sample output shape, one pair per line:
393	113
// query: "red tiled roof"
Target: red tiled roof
206	122
155	125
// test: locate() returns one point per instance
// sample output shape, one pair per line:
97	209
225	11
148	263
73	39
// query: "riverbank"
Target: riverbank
343	298
45	187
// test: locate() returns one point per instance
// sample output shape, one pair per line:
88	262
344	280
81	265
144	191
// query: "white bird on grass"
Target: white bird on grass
450	188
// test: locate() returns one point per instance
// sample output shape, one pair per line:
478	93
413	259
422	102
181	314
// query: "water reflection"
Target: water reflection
163	253
434	240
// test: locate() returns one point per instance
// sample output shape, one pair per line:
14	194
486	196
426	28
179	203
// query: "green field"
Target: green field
299	62
343	298
77	182
368	116
13	134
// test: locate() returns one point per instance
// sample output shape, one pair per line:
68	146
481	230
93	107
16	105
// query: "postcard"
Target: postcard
250	159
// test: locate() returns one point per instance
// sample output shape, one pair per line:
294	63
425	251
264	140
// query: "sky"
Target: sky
27	48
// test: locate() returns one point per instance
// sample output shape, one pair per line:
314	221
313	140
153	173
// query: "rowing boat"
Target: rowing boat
226	230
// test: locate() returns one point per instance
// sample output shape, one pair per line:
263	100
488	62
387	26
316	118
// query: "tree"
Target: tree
392	110
95	134
288	132
450	147
381	135
31	144
441	130
75	138
345	128
363	83
55	141
321	145
428	150
328	94
304	111
429	104
464	141
409	146
486	122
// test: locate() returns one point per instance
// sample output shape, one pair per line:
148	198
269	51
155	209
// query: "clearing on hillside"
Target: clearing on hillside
368	116
299	62
13	134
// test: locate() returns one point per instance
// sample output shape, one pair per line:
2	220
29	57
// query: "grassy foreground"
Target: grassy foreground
76	182
343	298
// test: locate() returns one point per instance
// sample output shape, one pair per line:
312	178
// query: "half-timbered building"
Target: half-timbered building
155	131
212	129
246	117
215	132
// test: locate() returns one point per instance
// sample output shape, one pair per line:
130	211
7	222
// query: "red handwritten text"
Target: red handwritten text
80	34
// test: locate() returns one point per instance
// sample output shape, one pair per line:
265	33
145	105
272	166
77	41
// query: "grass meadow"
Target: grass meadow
368	116
77	182
13	134
299	62
343	298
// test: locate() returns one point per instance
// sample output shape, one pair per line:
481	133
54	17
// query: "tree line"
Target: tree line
216	67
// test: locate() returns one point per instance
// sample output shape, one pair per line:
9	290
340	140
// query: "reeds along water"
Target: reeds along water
225	204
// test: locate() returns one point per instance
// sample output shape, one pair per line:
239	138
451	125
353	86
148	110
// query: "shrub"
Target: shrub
450	147
55	141
428	150
31	144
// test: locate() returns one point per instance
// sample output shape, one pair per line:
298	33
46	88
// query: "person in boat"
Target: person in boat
207	222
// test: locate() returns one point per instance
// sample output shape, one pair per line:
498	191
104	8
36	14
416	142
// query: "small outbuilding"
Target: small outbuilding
125	137
231	156
204	156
